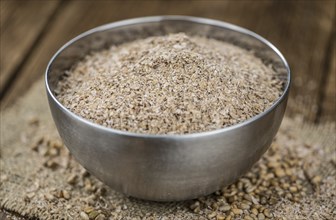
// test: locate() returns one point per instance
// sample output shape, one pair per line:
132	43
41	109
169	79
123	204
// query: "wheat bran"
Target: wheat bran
172	84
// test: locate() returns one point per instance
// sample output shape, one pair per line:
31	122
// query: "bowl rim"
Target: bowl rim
150	19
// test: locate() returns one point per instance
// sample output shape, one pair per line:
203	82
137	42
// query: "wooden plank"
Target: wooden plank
22	25
304	41
328	106
300	29
6	10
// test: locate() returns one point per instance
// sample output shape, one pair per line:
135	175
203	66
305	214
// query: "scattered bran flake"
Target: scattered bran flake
174	84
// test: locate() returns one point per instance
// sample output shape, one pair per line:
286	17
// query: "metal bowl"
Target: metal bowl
166	167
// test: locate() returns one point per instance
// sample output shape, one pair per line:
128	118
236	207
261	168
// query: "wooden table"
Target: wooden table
303	30
32	31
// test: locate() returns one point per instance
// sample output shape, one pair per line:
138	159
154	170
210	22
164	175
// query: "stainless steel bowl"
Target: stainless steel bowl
166	167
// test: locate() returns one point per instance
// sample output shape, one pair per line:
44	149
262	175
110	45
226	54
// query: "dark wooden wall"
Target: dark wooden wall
303	30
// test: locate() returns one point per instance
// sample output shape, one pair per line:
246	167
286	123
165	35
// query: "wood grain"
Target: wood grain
327	106
22	24
6	11
300	29
307	37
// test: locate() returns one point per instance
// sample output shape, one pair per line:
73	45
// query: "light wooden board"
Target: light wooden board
328	102
6	10
22	24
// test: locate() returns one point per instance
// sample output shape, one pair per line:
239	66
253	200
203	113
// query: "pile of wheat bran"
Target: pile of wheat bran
172	84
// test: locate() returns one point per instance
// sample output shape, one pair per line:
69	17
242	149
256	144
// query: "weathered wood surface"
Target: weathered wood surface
21	25
328	100
302	30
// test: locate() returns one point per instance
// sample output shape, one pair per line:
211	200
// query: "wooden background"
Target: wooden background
304	31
